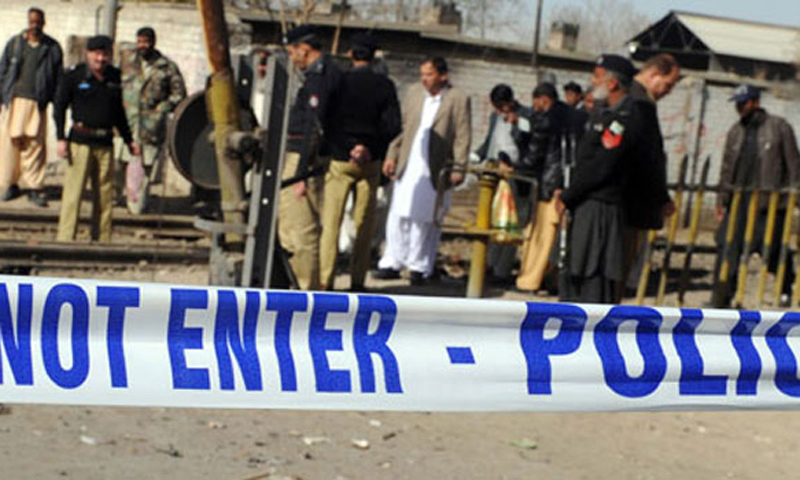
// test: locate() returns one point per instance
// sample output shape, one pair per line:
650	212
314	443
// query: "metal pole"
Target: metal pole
537	29
483	19
224	112
477	268
110	18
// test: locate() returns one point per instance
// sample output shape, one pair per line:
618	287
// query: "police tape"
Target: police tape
115	343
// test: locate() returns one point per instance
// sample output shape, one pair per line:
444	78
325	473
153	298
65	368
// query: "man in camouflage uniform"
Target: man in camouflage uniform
152	88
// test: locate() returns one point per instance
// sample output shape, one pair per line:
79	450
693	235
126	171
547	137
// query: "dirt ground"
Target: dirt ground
47	442
44	442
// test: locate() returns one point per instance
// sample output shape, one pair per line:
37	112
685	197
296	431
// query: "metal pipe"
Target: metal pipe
477	267
224	112
780	275
741	285
766	252
537	29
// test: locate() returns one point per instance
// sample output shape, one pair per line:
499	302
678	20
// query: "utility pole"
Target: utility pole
483	19
537	29
110	18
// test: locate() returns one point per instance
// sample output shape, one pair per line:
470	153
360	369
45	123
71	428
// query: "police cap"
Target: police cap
363	46
744	93
303	34
98	42
617	64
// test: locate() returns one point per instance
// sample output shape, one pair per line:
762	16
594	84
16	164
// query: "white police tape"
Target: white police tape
116	343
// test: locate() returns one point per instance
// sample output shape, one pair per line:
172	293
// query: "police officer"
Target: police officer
594	197
152	88
367	119
93	92
310	120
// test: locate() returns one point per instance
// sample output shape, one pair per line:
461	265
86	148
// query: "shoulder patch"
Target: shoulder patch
610	139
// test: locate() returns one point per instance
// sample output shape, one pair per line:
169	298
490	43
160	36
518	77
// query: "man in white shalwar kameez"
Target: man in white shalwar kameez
436	136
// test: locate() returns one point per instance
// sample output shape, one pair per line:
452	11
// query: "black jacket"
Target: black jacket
646	193
605	155
367	113
543	159
95	105
311	115
48	74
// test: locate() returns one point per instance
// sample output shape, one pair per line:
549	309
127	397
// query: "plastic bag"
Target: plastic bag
134	177
504	208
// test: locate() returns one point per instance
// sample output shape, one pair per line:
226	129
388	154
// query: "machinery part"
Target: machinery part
694	228
190	140
223	110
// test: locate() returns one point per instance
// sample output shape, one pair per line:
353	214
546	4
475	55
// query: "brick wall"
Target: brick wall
178	29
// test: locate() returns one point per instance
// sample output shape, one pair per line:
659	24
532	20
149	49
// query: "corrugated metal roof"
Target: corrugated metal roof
739	38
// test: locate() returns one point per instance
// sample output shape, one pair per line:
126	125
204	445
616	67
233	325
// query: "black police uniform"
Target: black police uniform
96	107
312	114
603	166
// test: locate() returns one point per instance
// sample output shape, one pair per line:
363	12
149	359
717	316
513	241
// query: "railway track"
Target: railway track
142	242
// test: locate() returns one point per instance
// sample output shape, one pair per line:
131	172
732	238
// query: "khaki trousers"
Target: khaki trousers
342	177
23	130
299	225
540	237
95	162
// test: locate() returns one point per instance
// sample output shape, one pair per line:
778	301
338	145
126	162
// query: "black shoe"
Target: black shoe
38	198
11	193
386	274
417	279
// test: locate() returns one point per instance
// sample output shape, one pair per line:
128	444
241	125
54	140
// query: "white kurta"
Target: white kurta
412	236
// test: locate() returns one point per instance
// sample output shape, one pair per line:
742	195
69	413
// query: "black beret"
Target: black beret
546	90
573	87
618	64
99	42
365	40
302	34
